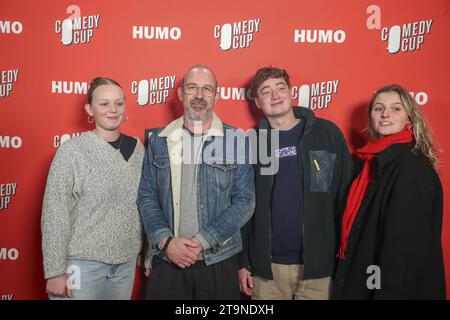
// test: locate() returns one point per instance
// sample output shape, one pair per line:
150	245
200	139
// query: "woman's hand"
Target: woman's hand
57	287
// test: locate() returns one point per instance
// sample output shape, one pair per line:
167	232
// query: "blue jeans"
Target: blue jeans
92	280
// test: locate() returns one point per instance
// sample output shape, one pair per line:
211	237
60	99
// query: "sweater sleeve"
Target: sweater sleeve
59	200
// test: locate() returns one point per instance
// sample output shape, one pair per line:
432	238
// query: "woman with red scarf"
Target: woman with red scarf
391	227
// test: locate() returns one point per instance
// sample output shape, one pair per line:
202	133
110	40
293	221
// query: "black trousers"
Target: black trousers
219	281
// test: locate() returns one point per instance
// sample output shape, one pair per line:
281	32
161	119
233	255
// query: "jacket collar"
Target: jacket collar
388	155
173	129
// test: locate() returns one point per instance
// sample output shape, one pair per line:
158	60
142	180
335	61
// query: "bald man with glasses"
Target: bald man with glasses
193	202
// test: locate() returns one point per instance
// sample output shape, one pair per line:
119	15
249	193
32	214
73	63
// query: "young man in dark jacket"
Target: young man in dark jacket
290	244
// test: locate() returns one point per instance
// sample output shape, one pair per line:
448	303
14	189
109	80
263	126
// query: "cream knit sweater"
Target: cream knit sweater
89	210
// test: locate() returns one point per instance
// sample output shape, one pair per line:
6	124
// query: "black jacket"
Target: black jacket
398	229
324	194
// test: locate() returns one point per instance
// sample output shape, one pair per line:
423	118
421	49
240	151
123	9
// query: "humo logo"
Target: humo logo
316	96
156	33
69	87
319	36
237	35
7	191
408	37
7	142
7	79
154	90
59	140
76	29
233	93
9	254
15	27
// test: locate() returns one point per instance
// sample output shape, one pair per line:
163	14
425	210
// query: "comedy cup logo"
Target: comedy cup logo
406	37
155	90
316	96
7	80
237	35
76	29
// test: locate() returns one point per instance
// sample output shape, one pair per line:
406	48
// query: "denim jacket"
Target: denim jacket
225	188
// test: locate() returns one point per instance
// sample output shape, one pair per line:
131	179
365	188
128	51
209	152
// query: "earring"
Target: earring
90	119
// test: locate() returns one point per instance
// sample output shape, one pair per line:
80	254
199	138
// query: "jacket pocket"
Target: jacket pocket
222	175
322	167
162	172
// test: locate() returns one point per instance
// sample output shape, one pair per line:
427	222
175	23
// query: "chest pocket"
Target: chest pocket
322	167
221	175
162	172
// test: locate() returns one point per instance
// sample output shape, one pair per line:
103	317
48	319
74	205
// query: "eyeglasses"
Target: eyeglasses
192	89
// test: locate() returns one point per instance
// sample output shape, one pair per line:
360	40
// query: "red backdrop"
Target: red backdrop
337	54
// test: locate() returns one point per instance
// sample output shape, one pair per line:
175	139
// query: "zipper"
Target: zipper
302	157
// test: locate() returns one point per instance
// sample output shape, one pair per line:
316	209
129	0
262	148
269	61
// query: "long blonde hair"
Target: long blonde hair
424	142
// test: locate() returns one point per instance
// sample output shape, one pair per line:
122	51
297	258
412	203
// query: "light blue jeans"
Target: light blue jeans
92	280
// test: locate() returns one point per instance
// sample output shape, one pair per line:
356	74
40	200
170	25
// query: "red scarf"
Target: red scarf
360	184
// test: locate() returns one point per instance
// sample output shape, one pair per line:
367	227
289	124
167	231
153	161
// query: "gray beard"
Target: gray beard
193	116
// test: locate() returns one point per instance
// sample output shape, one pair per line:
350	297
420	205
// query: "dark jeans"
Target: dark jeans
201	282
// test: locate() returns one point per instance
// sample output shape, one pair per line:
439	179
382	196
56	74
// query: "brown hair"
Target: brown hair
422	135
265	73
97	82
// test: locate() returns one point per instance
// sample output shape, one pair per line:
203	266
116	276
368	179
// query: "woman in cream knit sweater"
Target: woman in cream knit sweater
91	228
